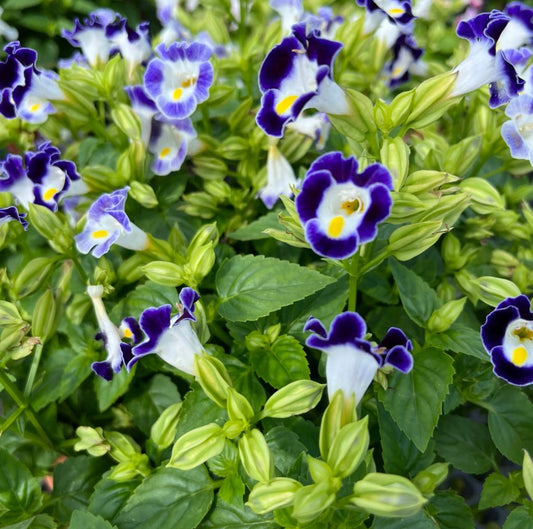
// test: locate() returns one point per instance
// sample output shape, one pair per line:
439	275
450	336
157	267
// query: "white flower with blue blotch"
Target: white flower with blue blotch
14	179
11	213
519	30
316	127
90	35
485	63
405	60
280	178
352	362
298	74
108	224
166	10
144	108
324	21
290	11
171	338
518	133
179	79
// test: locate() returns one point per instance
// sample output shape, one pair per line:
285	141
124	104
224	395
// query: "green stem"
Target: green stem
354	276
374	262
79	268
10	420
33	369
19	400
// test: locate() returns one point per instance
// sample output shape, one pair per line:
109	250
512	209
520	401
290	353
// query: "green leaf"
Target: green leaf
510	420
451	511
465	444
520	518
418	298
86	520
148	294
41	521
107	392
460	339
285	446
418	521
110	496
497	491
282	364
226	516
146	405
415	400
20	492
21	4
254	230
167	499
400	455
74	481
375	285
232	491
253	286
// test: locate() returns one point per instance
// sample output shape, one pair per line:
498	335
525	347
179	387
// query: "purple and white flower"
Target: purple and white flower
290	11
518	132
108	224
405	60
11	213
324	21
341	208
179	79
352	362
316	127
166	10
298	74
172	338
519	30
280	178
486	63
14	179
398	11
507	335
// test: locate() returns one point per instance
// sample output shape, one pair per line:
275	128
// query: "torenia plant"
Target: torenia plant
267	264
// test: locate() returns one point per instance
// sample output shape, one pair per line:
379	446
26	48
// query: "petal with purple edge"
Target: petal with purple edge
395	337
512	137
268	119
399	358
188	297
309	198
154	322
493	330
103	369
521	302
503	368
380	207
316	326
328	247
342	169
374	174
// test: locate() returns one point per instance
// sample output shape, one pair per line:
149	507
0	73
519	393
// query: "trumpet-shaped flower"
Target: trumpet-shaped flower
398	11
406	54
11	213
280	178
486	63
298	74
507	335
341	208
172	338
108	224
518	132
352	361
519	30
324	21
14	179
316	126
179	79
290	11
133	45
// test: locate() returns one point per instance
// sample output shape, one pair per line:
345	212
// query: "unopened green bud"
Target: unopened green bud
213	377
387	495
201	262
395	156
57	233
443	317
92	440
257	341
9	314
103	178
122	447
320	470
273	494
201	204
401	106
311	501
44	315
294	399
126	470
143	194
447	208
130	270
197	446
425	181
255	456
460	157
340	411
503	259
163	273
238	406
409	241
164	428
349	448
382	117
114	74
234	148
78	101
527	473
209	168
427	480
208	233
485	197
492	290
445	291
407	207
33	276
454	257
522	277
360	120
126	120
232	429
528	214
466	282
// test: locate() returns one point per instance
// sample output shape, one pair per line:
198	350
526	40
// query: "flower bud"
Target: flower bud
466	282
311	501
255	456
143	194
349	448
395	156
33	276
218	189
485	197
238	406
294	399
360	120
425	181
201	261
57	233
213	377
273	494
44	315
197	446
114	74
92	440
401	106
126	470
409	241
527	473
408	208
383	119
234	148
387	495
492	290
9	314
452	253
504	262
443	317
130	270
206	234
209	168
12	335
447	209
320	471
164	273
103	178
164	428
427	480
122	447
126	120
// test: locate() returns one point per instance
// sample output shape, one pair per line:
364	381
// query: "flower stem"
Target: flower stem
33	369
352	292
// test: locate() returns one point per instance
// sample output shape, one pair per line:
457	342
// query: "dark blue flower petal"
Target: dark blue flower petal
503	368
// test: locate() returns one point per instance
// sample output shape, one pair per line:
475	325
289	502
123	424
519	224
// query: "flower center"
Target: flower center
189	82
127	333
49	194
353	206
523	333
285	104
335	226
519	356
99	234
